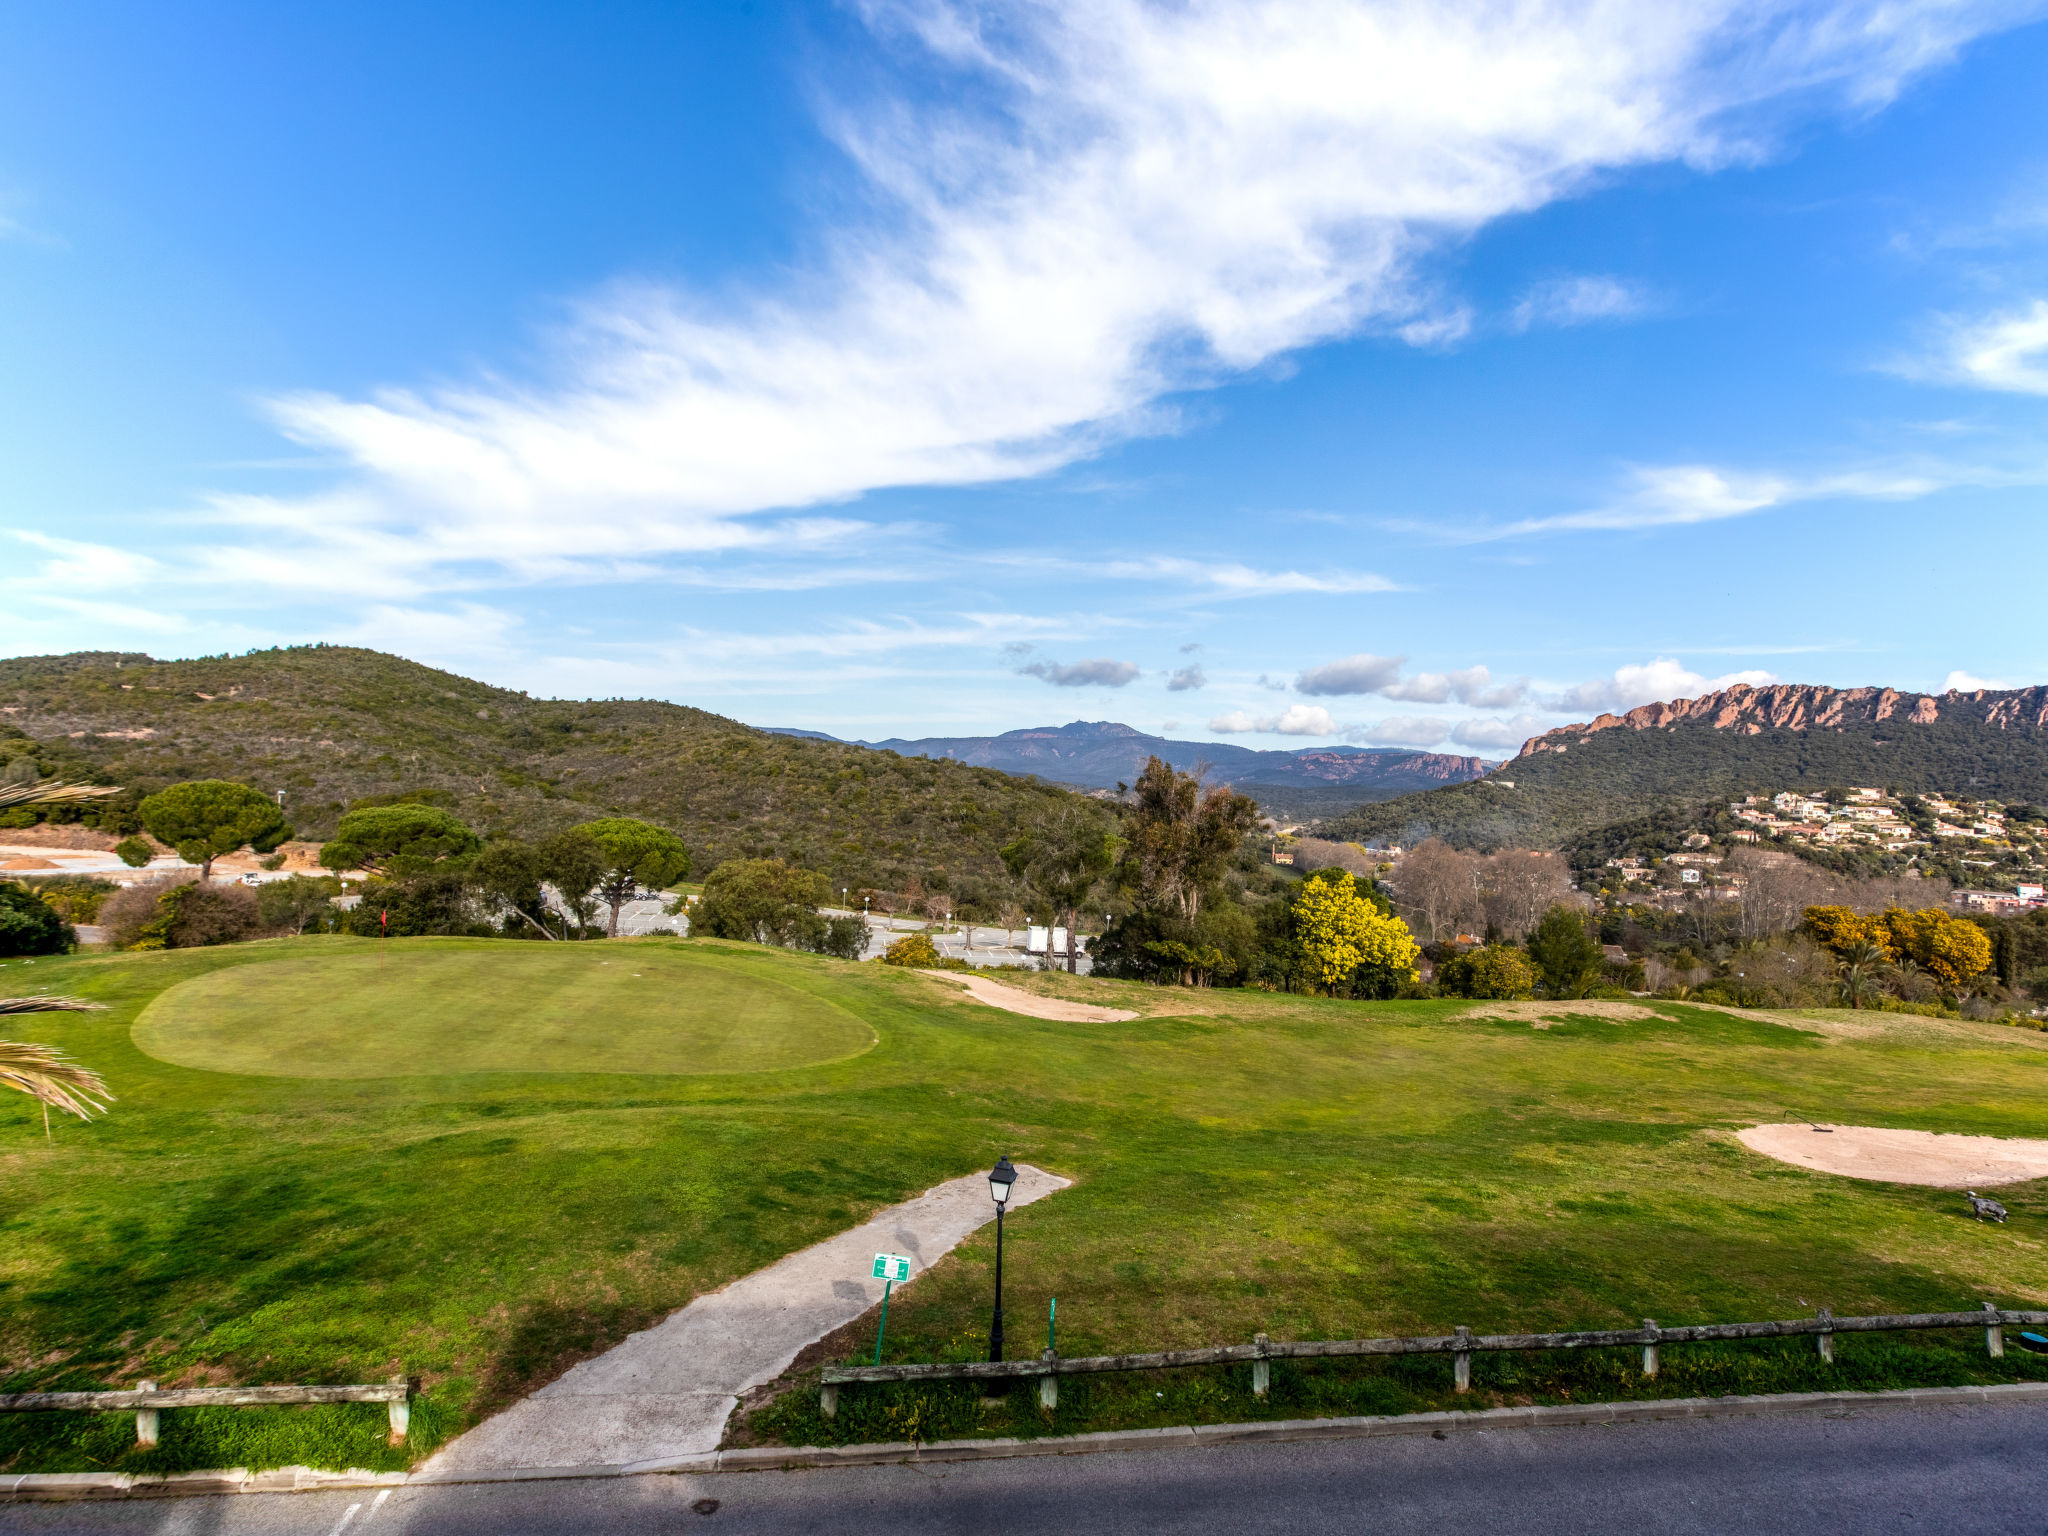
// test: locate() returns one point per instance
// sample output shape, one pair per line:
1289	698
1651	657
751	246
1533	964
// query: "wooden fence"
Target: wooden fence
1460	1346
147	1401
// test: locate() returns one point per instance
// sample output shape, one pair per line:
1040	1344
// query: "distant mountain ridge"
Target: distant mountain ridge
1099	754
1739	740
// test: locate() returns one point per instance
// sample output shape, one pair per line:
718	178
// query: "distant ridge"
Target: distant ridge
1099	754
1740	740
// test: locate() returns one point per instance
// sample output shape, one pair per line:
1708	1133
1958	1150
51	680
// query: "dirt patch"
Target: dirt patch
994	994
59	835
1542	1014
1902	1157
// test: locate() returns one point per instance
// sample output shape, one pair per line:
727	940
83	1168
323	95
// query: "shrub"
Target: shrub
31	926
181	914
1570	963
765	901
75	898
913	949
134	851
1497	971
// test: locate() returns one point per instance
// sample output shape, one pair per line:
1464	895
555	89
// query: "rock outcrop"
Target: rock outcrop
1811	707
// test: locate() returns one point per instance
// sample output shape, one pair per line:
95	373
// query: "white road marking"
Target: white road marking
342	1524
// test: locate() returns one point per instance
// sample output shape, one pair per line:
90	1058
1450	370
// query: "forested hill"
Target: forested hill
332	724
1569	781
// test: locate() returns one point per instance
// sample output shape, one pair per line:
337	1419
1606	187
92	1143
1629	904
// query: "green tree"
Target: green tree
397	841
205	818
1181	838
134	852
295	902
1062	860
763	901
29	925
1343	933
1567	957
637	855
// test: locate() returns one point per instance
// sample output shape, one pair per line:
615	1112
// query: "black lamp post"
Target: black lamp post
1000	1178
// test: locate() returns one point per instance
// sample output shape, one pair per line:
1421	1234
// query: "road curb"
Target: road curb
128	1485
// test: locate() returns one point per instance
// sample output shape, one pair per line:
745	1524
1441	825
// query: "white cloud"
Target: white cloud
2004	352
1578	301
1084	206
1652	682
1964	682
1222	578
1186	678
1363	673
1101	672
78	568
1402	731
1510	733
1295	720
1470	685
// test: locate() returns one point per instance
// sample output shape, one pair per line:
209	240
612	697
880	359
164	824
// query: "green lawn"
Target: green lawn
320	1171
435	1007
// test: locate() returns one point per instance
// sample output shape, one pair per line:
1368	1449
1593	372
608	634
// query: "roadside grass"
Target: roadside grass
1304	1167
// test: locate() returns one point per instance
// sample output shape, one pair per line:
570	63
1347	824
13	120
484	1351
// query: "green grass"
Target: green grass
1247	1162
433	1008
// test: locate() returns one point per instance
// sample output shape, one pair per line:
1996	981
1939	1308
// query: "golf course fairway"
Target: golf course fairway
431	1009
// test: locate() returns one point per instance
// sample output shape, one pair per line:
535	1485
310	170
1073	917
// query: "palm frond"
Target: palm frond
46	1074
49	1005
51	792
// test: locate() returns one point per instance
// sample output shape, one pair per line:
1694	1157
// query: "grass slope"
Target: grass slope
1307	1167
1548	798
331	724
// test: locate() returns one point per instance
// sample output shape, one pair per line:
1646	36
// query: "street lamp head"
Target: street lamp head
1000	1178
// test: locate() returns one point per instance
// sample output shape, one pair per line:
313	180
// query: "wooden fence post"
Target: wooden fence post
1994	1334
1461	1360
399	1409
1826	1337
1262	1368
828	1400
1048	1385
1650	1348
147	1425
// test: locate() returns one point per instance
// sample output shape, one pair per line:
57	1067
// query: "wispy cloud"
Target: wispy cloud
1081	208
1402	731
1670	495
1566	301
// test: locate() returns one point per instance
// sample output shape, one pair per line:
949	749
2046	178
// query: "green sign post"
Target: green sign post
889	1268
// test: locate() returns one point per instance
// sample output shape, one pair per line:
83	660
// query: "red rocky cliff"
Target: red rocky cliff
1808	706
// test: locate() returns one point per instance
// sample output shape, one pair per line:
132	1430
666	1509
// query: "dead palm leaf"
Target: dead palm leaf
51	792
48	1005
45	1073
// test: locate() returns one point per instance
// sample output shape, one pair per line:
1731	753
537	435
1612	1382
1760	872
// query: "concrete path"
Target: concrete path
668	1391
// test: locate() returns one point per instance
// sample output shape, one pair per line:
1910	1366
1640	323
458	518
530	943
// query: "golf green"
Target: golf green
429	1011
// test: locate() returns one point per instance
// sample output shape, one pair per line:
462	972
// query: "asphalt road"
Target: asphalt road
1950	1470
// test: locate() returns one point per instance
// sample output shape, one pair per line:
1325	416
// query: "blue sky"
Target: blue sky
1299	372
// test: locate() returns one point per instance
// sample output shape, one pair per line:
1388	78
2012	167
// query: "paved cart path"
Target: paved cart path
667	1391
1939	1472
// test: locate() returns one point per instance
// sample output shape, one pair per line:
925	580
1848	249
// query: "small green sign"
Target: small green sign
891	1267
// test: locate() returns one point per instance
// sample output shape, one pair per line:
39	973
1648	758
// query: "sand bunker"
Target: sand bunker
1030	1004
1902	1157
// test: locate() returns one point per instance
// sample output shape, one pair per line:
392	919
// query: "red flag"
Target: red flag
384	917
